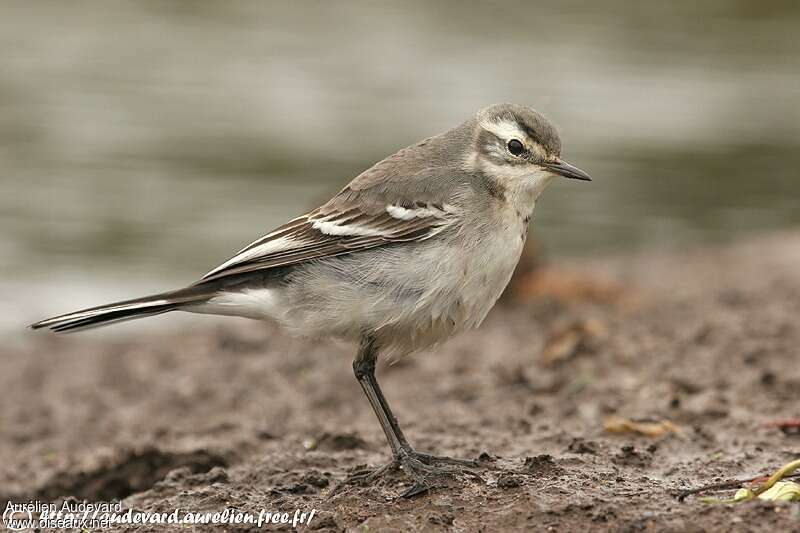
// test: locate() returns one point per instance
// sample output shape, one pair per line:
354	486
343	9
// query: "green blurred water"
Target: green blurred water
143	143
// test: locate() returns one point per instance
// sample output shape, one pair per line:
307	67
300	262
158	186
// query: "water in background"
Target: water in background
143	143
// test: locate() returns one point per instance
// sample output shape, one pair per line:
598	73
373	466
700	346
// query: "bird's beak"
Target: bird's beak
563	168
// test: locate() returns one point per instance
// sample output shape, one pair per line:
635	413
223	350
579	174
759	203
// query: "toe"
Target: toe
415	490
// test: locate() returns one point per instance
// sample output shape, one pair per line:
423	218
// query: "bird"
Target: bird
414	250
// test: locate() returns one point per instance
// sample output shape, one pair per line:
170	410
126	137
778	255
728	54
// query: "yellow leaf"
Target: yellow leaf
616	424
566	342
783	491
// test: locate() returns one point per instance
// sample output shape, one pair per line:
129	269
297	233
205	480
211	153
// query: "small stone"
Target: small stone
542	465
325	522
508	481
340	441
315	479
578	445
444	519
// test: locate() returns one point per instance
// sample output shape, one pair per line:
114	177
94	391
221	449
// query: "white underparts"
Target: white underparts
522	184
258	303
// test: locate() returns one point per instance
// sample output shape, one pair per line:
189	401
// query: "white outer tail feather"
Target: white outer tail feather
126	310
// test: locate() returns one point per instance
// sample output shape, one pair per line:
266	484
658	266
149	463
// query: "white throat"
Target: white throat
522	185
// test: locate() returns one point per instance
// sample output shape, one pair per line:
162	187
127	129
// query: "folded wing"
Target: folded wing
337	229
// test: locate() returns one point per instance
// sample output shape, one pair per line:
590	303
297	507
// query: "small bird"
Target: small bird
415	249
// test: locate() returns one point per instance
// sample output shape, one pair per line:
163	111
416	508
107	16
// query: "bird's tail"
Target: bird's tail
125	310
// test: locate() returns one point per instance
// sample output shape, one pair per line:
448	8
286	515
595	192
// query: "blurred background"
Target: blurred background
143	143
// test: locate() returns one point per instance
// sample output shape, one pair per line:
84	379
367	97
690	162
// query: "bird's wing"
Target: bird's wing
339	227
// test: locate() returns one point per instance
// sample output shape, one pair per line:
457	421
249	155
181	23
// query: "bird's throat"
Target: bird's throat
523	190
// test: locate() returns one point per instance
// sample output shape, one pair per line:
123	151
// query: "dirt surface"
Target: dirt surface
233	414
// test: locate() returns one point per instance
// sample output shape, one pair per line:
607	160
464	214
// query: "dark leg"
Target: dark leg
364	369
421	467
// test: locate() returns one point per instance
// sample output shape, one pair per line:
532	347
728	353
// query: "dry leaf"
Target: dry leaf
784	491
569	287
616	424
788	425
568	341
772	489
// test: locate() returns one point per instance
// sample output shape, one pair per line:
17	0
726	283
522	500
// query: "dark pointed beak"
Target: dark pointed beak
563	168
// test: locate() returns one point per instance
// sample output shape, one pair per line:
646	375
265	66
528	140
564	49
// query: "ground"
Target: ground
238	415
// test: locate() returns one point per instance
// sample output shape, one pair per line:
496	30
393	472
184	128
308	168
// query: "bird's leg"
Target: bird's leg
364	370
421	467
404	445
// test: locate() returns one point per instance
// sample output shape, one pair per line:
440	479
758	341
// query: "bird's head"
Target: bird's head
520	149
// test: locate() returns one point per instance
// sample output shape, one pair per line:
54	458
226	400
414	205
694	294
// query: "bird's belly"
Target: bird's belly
442	289
486	273
409	296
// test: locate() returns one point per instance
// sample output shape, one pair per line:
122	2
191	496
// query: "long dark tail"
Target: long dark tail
126	310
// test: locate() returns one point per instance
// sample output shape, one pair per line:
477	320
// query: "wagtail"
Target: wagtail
414	250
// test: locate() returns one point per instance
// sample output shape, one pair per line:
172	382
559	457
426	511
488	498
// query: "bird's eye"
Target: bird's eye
515	147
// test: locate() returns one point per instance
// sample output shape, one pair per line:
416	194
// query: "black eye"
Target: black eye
515	147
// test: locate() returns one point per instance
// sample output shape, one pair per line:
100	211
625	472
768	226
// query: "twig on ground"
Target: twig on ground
787	425
736	483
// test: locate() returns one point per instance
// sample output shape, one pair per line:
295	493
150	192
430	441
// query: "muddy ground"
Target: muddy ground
233	414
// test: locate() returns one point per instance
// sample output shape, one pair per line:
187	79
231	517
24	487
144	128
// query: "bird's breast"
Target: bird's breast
489	263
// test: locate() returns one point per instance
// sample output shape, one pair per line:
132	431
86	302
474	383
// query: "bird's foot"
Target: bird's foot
425	470
430	459
367	475
428	471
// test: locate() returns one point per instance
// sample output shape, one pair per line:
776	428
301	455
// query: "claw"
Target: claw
424	469
415	490
368	475
430	459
